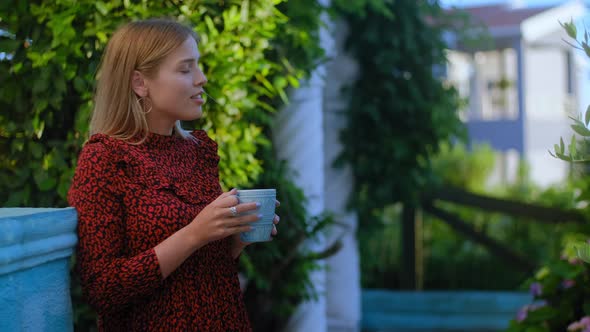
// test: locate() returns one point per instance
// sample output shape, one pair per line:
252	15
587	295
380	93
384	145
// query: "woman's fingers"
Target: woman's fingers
234	191
276	219
235	210
238	229
241	220
277	203
228	201
245	207
274	230
243	229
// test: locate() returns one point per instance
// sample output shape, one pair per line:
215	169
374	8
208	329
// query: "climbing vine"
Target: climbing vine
400	109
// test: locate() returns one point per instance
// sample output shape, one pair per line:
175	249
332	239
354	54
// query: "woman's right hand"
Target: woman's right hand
216	220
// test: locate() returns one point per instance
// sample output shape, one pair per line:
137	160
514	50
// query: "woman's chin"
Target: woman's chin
198	114
193	115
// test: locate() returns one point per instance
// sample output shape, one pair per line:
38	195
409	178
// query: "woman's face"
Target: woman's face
176	90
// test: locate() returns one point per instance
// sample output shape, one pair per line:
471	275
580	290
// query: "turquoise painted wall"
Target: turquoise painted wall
433	311
35	249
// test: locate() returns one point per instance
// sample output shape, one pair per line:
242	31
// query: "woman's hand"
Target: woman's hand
276	220
238	245
217	220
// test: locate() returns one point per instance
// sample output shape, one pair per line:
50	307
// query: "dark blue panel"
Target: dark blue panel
502	135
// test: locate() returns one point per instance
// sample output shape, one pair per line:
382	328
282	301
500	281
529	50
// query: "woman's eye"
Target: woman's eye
185	71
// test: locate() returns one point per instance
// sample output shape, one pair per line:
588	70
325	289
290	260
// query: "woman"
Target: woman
158	239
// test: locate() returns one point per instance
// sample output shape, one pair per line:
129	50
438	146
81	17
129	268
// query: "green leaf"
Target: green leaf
293	81
266	83
17	198
572	147
571	29
102	36
36	150
79	84
561	146
17	66
587	116
542	273
17	146
581	130
211	27
38	126
537	329
541	314
102	8
9	45
583	251
515	327
44	181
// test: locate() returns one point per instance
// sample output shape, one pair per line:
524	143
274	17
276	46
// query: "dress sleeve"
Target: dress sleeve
209	149
110	279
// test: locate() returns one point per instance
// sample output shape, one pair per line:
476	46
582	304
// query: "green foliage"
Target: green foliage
379	248
399	111
561	297
562	285
453	261
48	84
462	168
273	293
450	260
278	271
252	52
578	150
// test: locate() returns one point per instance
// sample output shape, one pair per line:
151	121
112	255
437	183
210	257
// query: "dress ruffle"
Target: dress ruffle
130	160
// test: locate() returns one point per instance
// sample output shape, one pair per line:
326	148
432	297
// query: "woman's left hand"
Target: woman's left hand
275	221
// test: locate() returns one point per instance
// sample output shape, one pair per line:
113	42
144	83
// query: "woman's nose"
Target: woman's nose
200	79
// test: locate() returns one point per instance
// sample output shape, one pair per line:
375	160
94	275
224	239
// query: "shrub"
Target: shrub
252	52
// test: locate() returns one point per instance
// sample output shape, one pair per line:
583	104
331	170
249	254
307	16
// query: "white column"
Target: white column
343	291
298	136
306	135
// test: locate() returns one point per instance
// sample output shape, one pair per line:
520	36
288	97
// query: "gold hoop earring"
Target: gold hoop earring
142	101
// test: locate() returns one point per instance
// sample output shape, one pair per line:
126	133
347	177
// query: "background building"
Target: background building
520	92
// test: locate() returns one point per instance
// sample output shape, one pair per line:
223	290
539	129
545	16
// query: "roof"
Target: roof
506	23
496	16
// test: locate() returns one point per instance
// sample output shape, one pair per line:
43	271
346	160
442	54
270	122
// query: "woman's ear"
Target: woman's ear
138	84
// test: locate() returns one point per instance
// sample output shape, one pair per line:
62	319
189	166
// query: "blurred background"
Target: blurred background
430	156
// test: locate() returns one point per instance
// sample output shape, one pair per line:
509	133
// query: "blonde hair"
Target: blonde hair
141	46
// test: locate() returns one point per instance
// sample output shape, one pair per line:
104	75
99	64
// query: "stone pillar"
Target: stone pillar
343	292
298	137
306	135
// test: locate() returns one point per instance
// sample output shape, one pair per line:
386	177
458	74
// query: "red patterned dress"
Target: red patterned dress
130	198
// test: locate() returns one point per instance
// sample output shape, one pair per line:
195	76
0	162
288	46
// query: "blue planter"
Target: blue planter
35	249
431	311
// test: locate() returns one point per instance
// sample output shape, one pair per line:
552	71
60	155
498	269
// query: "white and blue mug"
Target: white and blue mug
262	228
